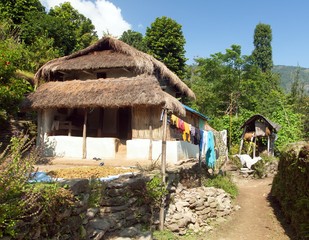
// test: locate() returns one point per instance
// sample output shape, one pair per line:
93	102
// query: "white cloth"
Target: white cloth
247	161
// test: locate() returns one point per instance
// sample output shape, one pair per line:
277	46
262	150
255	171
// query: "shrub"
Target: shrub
22	204
290	187
223	182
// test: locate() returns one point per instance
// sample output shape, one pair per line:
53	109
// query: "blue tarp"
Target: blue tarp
43	177
40	177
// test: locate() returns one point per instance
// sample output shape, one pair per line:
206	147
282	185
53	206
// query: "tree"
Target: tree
12	89
15	10
165	41
81	30
262	53
216	82
68	30
134	39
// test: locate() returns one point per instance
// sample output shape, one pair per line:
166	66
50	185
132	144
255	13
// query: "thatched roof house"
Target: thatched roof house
107	90
110	53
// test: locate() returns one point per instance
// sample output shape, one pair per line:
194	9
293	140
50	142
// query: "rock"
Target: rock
77	186
213	205
184	221
111	209
180	205
91	212
129	232
99	235
145	236
101	224
173	227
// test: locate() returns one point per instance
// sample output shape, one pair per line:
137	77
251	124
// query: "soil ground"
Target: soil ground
258	218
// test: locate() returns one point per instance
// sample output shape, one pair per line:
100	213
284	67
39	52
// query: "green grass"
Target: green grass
223	182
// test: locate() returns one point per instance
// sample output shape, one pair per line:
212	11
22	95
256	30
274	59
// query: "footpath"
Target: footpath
257	218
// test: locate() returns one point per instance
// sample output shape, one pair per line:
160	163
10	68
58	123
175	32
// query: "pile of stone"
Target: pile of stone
196	208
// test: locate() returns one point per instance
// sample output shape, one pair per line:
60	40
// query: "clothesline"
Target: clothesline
203	138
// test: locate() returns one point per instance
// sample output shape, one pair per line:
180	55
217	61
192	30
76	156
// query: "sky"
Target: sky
209	26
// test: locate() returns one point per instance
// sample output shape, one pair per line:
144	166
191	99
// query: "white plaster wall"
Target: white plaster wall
66	146
104	148
138	149
175	150
47	121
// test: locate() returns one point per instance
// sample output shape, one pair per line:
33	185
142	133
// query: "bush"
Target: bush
290	187
223	182
23	205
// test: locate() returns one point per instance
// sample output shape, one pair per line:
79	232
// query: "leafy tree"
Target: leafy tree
216	82
67	29
15	10
134	39
80	29
262	53
165	41
12	89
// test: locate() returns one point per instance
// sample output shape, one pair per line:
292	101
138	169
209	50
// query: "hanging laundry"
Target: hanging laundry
192	134
186	132
210	151
197	136
174	119
203	142
181	124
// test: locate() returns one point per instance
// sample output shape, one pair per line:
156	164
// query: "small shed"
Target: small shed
256	128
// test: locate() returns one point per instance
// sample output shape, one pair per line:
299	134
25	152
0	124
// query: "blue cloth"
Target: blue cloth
40	177
210	151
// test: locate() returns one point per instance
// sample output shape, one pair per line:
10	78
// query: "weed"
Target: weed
223	182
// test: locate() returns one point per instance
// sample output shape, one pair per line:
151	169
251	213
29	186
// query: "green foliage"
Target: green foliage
39	52
224	182
262	53
96	192
290	186
12	89
134	39
15	10
156	190
165	41
78	29
20	201
260	168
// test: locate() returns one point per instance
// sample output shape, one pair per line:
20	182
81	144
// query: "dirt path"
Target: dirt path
256	219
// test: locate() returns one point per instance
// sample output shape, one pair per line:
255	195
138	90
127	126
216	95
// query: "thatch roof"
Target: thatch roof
259	117
107	53
143	90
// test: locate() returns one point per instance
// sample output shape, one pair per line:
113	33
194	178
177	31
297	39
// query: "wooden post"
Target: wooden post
150	143
163	167
40	136
85	134
268	145
242	139
254	147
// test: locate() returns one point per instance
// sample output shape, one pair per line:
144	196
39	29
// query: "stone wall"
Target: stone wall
290	187
122	208
195	208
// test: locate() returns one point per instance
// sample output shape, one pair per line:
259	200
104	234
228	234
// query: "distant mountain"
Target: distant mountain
287	75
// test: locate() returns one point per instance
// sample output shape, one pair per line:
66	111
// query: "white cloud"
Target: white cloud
105	16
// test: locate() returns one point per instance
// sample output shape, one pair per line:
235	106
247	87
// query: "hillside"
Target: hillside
288	73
